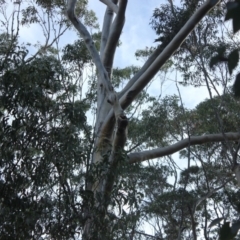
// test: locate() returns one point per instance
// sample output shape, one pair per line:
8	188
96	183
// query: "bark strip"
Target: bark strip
116	156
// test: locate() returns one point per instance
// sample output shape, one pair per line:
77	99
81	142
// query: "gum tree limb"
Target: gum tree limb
191	141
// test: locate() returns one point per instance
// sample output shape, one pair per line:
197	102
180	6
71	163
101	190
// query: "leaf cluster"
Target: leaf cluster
40	146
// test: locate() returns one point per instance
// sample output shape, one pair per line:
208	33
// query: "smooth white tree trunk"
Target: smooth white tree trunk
111	121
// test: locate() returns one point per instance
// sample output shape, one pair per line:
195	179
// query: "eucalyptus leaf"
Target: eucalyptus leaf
215	222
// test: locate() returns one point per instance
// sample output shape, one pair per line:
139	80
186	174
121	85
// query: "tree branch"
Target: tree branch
115	32
145	66
146	76
110	40
112	98
195	140
89	43
200	200
111	5
107	22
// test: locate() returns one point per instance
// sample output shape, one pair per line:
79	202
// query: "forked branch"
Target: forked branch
146	76
89	43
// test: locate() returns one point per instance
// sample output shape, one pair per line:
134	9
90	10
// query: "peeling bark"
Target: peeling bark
116	155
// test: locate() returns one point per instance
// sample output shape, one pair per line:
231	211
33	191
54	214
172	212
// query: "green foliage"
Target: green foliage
144	53
227	109
40	146
233	9
29	15
215	222
167	22
122	74
48	4
76	53
228	233
189	175
160	115
45	150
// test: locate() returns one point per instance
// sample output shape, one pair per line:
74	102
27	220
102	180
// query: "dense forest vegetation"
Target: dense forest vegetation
88	152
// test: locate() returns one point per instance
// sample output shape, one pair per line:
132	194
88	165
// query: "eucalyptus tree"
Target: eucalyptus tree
81	181
185	34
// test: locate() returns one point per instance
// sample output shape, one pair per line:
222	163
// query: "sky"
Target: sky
138	34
